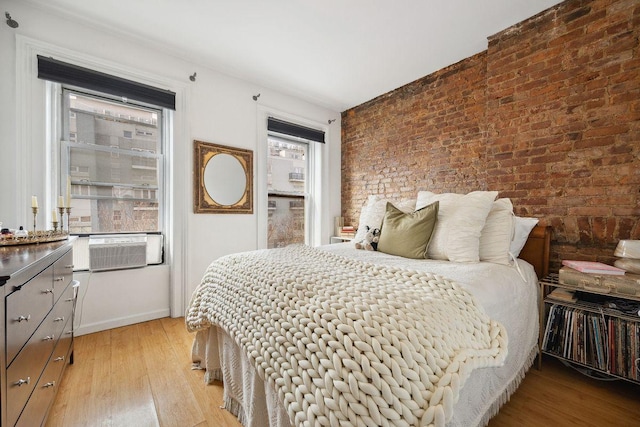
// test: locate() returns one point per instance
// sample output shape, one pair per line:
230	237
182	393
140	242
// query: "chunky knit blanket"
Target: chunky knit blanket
344	342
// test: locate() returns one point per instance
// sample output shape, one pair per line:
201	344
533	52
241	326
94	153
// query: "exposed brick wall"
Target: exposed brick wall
548	115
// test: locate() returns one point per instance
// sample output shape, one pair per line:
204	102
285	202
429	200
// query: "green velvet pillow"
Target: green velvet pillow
407	234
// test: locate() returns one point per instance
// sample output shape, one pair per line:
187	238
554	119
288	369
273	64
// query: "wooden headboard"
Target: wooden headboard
536	250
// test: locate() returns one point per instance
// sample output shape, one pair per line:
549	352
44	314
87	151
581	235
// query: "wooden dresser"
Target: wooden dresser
37	323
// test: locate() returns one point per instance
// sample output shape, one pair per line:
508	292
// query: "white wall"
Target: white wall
216	108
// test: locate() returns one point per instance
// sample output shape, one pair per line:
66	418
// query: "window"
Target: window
288	191
112	155
293	175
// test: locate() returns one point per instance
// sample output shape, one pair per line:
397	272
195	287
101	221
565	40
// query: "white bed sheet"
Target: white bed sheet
508	295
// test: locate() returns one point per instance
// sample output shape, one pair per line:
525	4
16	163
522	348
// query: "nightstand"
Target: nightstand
599	332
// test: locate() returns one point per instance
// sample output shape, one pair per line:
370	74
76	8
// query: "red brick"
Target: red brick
549	116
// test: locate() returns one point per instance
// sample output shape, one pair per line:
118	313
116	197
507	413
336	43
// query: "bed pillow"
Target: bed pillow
407	234
373	212
523	227
460	222
497	233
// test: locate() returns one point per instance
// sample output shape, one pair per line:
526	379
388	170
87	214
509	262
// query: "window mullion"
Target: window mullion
113	150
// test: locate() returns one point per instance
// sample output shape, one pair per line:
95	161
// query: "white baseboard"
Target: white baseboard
122	321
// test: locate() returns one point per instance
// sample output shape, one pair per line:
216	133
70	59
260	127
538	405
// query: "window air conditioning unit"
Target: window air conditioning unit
116	251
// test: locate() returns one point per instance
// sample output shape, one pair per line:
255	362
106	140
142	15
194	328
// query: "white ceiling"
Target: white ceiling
334	53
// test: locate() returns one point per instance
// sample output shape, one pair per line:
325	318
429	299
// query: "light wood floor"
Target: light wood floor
141	375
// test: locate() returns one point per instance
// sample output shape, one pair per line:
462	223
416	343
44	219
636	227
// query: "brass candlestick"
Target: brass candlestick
61	210
68	208
35	212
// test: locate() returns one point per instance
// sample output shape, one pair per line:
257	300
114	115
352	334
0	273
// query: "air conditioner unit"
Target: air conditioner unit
117	251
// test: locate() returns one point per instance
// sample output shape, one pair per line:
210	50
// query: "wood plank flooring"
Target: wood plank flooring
141	375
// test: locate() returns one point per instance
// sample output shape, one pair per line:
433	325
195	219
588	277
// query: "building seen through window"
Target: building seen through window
287	187
113	155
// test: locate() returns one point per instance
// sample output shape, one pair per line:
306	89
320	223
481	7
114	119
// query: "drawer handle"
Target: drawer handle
21	381
69	332
49	338
58	279
50	384
59	359
59	319
23	318
47	291
70	266
69	300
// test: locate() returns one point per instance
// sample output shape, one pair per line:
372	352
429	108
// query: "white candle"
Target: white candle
34	202
54	216
60	202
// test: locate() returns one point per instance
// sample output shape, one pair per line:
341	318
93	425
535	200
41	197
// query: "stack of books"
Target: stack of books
347	231
599	277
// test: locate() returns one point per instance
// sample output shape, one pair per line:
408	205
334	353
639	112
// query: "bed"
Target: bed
281	368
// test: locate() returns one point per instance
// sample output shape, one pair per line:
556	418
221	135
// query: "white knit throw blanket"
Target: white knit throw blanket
345	342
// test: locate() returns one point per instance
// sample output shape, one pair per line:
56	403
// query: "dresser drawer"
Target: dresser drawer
63	310
42	397
61	353
26	307
62	274
24	372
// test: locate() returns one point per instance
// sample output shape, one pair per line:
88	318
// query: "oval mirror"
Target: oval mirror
225	179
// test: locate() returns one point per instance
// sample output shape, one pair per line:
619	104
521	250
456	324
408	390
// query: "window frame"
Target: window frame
64	146
306	196
38	163
320	170
312	192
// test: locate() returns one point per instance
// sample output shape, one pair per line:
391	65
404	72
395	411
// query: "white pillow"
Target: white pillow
460	222
497	233
523	227
373	213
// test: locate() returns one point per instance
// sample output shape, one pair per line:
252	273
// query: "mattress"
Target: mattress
508	294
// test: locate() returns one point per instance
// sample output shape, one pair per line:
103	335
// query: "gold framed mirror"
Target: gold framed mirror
223	179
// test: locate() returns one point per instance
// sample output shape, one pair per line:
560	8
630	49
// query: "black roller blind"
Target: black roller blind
62	72
280	126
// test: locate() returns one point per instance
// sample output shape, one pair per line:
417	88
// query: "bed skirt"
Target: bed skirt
255	403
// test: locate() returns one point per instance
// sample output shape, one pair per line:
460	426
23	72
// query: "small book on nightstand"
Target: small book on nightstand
593	267
560	294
